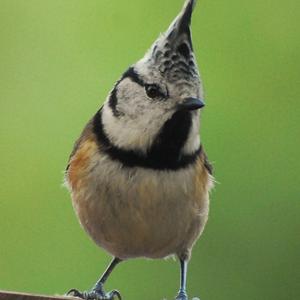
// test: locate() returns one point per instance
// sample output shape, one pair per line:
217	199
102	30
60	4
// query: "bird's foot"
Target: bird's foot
95	294
183	296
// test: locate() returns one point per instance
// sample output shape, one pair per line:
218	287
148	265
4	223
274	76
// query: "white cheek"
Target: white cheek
136	129
132	100
141	119
193	142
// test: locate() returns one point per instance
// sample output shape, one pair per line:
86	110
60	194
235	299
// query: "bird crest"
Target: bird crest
172	54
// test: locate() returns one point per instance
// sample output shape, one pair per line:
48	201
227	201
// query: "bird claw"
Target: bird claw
114	293
183	296
75	293
95	295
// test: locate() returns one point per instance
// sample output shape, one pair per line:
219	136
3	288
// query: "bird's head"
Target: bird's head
162	91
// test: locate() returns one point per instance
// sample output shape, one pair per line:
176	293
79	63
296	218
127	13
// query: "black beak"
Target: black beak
191	104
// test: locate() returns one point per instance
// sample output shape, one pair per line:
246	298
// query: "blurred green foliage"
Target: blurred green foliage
58	61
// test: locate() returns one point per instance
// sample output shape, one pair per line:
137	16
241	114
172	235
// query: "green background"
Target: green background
58	61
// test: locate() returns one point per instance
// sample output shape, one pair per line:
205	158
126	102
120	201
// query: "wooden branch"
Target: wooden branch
4	295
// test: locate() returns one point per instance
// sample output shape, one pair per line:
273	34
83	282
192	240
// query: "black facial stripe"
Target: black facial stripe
165	153
134	76
130	73
113	101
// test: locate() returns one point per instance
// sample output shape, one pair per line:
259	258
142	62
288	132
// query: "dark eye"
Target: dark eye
153	91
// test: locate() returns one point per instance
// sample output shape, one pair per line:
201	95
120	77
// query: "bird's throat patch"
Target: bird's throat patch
165	154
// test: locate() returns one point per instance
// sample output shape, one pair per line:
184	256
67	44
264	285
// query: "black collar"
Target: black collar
165	154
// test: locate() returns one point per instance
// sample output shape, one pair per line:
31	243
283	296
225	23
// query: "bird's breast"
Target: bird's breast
134	212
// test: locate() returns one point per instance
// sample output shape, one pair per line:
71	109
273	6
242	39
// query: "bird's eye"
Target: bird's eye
153	91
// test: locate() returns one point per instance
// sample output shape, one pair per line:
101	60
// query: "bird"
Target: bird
138	175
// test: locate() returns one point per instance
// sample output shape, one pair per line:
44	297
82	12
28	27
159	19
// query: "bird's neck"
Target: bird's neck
178	136
175	145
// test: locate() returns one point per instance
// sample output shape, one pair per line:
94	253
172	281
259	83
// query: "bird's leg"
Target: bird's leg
182	295
97	292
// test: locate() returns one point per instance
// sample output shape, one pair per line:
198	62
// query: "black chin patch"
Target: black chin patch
167	147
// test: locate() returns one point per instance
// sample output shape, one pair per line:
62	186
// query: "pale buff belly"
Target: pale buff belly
142	213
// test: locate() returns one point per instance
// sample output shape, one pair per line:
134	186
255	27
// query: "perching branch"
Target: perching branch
4	295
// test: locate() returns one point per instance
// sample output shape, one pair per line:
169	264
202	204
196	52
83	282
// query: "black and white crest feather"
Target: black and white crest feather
151	125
